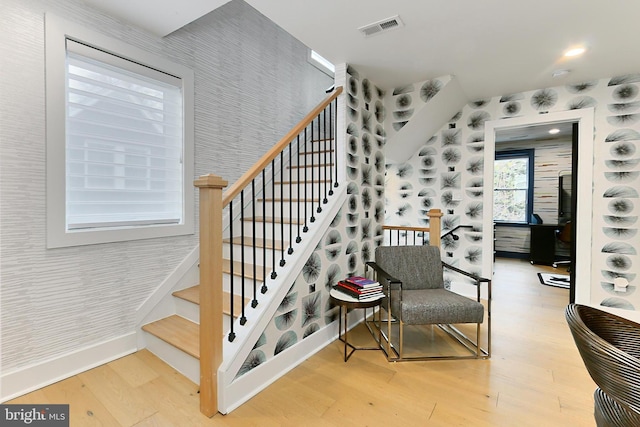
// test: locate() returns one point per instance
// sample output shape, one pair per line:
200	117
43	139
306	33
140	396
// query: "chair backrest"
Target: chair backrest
610	348
565	234
418	267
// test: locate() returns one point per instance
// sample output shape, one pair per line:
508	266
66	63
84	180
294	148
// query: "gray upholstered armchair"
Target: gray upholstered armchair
413	281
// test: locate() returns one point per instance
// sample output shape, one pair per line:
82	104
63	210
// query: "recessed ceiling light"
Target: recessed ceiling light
575	51
554	131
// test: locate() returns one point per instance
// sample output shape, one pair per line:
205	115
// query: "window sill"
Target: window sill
511	224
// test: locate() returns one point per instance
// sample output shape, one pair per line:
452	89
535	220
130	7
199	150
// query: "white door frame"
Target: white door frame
584	211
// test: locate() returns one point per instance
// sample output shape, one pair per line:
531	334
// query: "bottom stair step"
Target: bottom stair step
177	331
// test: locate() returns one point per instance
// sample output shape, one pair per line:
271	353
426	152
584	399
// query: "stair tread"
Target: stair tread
315	181
177	331
192	295
260	243
308	153
308	200
237	270
277	220
318	165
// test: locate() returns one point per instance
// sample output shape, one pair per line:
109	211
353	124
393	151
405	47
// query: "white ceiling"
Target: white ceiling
535	133
160	17
493	47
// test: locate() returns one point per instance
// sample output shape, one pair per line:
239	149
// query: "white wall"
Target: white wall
252	84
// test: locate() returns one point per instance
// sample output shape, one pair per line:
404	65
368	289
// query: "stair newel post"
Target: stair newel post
435	216
210	289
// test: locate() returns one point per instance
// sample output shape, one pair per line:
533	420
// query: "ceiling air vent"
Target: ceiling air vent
380	26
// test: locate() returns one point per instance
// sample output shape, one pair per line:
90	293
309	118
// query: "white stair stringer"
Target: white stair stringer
232	393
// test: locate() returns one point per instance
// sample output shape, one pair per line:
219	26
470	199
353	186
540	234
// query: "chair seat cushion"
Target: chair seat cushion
432	306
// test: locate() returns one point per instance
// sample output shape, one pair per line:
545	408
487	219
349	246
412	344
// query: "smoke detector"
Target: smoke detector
381	26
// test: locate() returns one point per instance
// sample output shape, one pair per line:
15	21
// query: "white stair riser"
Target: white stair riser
266	231
191	311
187	309
312	174
187	365
298	192
238	282
290	209
248	254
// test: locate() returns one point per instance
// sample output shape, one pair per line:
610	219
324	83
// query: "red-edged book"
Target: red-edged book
362	282
358	290
358	293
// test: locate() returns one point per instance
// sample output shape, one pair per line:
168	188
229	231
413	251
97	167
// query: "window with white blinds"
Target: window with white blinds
120	130
123	142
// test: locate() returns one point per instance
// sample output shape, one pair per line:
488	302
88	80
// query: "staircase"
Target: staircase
266	216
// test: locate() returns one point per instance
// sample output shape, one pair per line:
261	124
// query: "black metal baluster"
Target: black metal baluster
306	185
332	151
264	235
232	334
290	186
313	156
243	317
320	177
282	261
254	303
299	238
273	219
326	163
336	184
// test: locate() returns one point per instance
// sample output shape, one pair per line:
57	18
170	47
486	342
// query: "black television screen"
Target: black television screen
564	198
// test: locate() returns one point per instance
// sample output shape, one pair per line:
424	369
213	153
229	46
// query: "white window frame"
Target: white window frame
321	63
57	31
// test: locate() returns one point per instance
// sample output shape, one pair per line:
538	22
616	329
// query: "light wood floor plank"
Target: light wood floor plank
535	378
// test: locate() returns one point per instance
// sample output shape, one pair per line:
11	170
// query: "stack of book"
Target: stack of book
360	288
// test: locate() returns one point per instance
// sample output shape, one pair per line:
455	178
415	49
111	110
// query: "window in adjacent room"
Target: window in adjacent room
119	141
513	186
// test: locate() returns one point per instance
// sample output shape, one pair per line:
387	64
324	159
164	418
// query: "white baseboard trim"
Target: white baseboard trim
29	378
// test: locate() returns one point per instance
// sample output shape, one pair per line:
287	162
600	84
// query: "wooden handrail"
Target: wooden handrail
268	157
434	225
403	228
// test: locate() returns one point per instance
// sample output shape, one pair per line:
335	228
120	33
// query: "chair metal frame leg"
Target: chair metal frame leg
397	354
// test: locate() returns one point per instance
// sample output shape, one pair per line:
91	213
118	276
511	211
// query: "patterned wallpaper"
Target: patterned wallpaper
352	236
447	172
252	84
404	101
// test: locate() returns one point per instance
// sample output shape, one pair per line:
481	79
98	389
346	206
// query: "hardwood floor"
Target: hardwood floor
534	378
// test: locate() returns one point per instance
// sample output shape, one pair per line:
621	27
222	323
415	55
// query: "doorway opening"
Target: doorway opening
582	176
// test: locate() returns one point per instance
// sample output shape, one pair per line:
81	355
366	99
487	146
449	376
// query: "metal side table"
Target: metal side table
346	303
